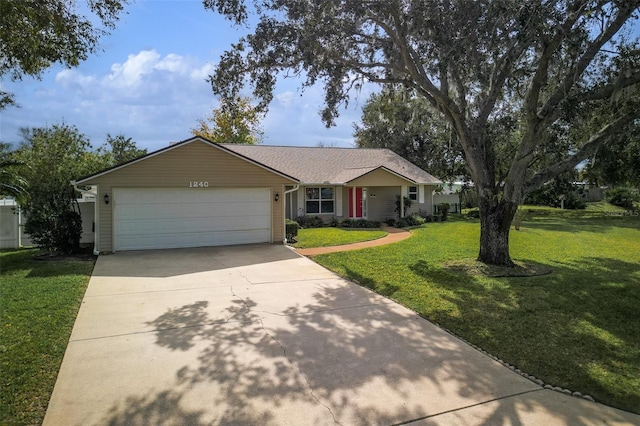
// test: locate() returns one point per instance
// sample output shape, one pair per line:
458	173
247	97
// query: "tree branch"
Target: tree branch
582	154
545	114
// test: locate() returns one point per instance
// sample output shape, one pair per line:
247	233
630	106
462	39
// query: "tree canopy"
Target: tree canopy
56	155
528	65
35	34
408	125
234	121
119	149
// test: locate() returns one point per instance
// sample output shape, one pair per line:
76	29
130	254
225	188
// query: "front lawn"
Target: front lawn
39	301
577	328
329	236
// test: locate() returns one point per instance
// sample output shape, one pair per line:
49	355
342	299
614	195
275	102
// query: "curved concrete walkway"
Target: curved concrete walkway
394	235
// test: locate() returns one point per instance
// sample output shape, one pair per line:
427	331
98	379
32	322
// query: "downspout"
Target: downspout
284	209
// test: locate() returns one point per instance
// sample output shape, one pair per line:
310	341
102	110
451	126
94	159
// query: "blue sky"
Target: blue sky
148	83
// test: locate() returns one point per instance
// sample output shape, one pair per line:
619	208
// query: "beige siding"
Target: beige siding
382	202
193	162
427	206
379	177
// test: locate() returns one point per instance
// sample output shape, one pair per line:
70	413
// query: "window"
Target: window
319	200
413	193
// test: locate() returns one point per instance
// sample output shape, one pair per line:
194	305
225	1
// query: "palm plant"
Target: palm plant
12	182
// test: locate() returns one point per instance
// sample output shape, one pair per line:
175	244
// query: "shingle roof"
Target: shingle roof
319	165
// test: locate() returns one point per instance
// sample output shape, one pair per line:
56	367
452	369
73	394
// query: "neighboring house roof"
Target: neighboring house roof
320	165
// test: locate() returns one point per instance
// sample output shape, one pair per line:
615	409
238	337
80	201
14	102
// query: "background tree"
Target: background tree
36	34
12	181
478	63
408	125
235	121
55	155
616	163
120	149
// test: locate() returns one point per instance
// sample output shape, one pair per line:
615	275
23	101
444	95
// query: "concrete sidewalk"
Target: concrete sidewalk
261	335
393	236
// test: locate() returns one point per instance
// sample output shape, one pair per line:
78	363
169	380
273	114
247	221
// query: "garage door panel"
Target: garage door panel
193	210
148	218
154	241
171	226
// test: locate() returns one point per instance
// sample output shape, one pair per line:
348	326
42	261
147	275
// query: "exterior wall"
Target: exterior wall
452	199
382	202
291	205
339	203
379	177
427	205
88	216
193	162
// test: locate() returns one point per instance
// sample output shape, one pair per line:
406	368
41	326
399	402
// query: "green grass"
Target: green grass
39	301
578	328
324	237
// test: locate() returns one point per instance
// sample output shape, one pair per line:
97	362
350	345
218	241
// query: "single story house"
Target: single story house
198	193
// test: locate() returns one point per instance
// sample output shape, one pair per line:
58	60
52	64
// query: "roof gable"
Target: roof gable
178	145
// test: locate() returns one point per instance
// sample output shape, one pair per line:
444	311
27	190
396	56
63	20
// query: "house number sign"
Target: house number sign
200	184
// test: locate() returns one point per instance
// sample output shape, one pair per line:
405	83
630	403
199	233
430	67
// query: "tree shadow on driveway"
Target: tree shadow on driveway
372	362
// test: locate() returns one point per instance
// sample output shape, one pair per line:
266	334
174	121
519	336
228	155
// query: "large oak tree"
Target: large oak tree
477	62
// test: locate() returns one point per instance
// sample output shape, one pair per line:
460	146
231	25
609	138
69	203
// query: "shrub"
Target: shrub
407	204
574	202
291	230
359	223
622	197
443	208
55	231
334	223
423	213
310	221
390	222
473	214
411	220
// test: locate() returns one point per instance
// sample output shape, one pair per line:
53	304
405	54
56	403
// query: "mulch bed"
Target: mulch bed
521	269
81	254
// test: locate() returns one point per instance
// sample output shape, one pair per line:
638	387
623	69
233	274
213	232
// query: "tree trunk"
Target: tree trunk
495	222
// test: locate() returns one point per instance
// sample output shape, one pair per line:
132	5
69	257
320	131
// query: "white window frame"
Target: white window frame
320	200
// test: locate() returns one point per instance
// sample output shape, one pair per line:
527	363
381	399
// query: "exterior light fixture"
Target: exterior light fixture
106	198
277	197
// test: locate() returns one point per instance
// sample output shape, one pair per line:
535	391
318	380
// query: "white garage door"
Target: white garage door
146	218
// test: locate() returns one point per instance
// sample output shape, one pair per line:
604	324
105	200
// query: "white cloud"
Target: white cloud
202	73
70	78
285	98
130	73
157	98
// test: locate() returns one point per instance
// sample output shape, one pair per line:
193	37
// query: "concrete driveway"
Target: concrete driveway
259	335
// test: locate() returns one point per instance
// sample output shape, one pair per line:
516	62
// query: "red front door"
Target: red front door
355	202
